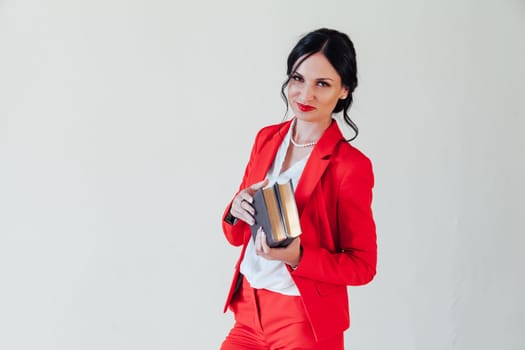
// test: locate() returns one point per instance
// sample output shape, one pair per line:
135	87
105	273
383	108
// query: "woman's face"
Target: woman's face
314	89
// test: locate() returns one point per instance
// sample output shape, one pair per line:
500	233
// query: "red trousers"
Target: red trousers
265	320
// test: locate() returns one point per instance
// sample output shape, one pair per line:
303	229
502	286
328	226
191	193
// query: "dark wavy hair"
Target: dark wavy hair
339	50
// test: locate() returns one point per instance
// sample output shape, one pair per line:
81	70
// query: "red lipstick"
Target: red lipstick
305	108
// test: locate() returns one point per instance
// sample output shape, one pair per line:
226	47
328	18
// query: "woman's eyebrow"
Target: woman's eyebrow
317	79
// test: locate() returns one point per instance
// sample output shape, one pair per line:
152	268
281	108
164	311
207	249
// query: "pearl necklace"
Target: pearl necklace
302	145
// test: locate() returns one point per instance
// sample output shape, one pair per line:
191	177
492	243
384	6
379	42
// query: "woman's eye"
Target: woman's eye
296	78
323	84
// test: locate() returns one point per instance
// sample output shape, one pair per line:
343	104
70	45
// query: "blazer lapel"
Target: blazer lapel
267	152
316	165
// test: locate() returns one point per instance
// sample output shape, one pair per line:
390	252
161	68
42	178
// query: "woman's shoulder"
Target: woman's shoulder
348	150
352	161
269	131
275	127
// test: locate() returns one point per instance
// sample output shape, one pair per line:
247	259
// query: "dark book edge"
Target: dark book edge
259	205
277	192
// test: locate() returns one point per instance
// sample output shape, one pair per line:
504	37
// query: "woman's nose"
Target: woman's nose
307	93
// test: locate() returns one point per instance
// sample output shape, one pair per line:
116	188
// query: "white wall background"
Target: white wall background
125	127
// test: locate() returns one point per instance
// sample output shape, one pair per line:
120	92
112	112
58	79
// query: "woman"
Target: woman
296	297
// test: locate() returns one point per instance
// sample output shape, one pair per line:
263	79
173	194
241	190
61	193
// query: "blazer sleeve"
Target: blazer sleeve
355	263
235	233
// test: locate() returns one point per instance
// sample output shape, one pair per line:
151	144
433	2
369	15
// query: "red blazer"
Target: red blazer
334	197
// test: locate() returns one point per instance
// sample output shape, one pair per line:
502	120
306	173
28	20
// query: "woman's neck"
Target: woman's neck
305	131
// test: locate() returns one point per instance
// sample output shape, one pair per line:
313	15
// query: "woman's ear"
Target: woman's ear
344	93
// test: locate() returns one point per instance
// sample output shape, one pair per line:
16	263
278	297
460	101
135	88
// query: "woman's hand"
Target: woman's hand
290	255
242	207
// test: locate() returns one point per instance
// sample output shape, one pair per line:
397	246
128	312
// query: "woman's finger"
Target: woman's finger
258	236
264	244
243	215
245	196
253	188
248	207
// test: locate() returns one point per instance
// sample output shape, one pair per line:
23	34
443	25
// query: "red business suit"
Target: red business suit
334	196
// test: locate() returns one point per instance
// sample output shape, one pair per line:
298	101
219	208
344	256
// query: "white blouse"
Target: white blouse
273	274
